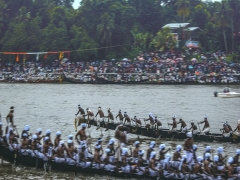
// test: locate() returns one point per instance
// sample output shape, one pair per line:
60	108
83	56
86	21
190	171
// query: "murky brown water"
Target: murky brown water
54	106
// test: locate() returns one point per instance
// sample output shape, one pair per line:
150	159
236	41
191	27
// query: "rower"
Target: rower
38	134
120	116
193	128
9	118
153	171
176	157
162	153
183	127
137	121
90	117
34	146
82	134
135	151
126	168
70	137
195	148
124	138
150	149
101	119
197	169
127	118
12	139
24	144
45	155
71	153
99	145
206	128
188	146
173	124
214	167
236	158
97	162
111	154
83	158
231	175
151	119
229	127
206	165
57	139
177	154
118	132
110	117
25	130
221	160
184	168
208	149
225	131
59	156
237	130
166	168
157	124
81	116
109	165
140	168
48	134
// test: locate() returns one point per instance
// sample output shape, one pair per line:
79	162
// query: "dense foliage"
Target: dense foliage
124	26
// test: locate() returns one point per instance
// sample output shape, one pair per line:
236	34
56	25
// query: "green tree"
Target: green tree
164	40
105	30
183	9
222	19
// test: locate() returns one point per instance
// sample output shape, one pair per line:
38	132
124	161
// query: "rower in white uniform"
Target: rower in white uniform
206	127
183	127
136	151
153	171
188	146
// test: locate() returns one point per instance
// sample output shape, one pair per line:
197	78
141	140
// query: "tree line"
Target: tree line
110	29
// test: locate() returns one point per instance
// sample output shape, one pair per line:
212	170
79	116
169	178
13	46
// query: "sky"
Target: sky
76	3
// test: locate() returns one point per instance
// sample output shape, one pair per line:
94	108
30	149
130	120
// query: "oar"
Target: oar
36	165
89	132
199	128
75	123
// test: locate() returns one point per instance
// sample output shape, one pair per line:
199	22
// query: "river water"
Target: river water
53	106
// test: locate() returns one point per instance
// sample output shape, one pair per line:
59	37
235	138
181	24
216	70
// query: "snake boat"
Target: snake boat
166	133
17	159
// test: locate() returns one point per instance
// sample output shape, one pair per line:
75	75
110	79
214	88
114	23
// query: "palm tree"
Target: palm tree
183	8
223	18
105	30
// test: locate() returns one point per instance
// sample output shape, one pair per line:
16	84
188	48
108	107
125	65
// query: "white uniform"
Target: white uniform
25	151
153	173
97	166
140	170
109	167
206	130
185	129
126	169
189	156
14	146
226	134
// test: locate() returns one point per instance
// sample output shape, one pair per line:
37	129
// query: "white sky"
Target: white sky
76	3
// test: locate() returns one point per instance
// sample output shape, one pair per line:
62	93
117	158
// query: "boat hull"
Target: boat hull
228	95
167	134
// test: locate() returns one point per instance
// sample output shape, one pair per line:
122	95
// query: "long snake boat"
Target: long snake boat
16	158
166	133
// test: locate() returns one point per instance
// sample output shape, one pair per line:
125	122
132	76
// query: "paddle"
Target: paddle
75	123
36	165
199	128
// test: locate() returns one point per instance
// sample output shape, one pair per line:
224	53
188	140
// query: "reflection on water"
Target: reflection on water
54	106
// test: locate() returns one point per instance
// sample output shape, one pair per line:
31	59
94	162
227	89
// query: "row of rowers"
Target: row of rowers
155	123
187	166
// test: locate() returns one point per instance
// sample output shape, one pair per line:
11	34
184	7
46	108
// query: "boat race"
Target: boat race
123	89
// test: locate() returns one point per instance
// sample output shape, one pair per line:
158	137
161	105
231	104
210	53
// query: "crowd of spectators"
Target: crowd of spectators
193	63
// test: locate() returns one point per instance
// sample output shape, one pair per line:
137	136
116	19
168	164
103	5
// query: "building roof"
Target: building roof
176	25
192	29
